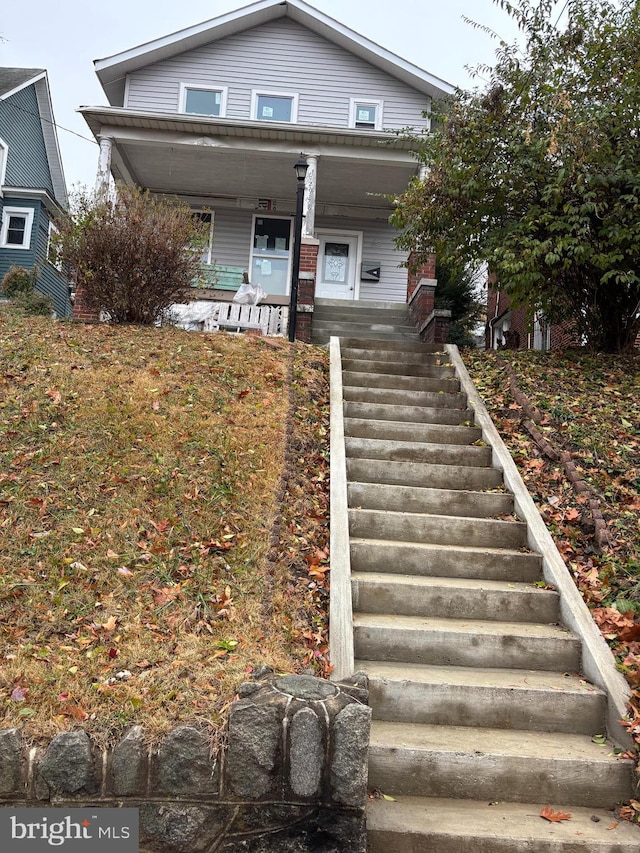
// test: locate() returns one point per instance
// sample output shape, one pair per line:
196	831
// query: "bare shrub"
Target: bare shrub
133	255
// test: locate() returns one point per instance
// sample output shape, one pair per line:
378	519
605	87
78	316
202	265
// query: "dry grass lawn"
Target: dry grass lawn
140	479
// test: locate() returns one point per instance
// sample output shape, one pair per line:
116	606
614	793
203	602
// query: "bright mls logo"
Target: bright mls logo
69	830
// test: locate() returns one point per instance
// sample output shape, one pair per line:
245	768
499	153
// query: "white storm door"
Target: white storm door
337	266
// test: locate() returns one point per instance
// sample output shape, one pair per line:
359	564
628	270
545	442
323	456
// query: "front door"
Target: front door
337	266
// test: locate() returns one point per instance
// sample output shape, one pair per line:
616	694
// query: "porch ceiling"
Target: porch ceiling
220	172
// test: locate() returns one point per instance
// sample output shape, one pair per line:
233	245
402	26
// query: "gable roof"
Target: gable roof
12	81
112	70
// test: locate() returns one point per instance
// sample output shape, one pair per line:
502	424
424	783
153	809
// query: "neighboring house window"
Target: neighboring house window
271	254
541	333
366	114
53	250
206	217
16	227
274	106
203	100
4	153
499	330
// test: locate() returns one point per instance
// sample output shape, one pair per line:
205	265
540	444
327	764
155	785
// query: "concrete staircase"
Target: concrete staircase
480	715
361	319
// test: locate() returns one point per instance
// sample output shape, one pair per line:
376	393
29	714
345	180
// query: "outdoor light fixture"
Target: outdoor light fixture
300	168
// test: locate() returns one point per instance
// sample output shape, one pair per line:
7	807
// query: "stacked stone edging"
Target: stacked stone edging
293	776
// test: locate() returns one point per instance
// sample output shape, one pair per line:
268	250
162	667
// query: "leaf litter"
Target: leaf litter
136	541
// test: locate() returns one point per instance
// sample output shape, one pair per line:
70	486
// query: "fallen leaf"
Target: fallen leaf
554	817
19	694
613	826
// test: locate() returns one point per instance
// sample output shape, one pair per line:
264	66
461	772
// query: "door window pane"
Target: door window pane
336	262
274	108
204	102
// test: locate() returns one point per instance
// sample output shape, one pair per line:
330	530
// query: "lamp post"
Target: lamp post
301	172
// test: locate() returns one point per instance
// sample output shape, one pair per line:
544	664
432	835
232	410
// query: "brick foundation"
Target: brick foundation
306	288
82	311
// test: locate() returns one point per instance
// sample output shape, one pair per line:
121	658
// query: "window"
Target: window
366	114
4	153
53	251
275	106
16	227
203	100
271	254
205	217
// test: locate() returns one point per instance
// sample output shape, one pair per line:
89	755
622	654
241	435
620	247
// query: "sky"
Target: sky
66	36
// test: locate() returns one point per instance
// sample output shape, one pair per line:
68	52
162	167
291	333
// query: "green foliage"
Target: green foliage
19	285
133	256
19	280
458	292
538	175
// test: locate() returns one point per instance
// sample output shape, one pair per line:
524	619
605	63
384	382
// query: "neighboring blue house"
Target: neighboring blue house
32	186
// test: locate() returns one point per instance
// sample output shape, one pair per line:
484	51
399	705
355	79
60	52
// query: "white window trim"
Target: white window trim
353	102
269	93
205	87
4	156
57	263
27	212
253	233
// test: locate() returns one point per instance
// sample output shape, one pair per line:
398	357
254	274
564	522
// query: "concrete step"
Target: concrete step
436	476
439	501
396	346
394	356
360	365
501	698
398	431
442	381
408	414
360	315
514	766
452	561
321	335
465	642
438	529
392	397
436	825
452	598
418	451
355	328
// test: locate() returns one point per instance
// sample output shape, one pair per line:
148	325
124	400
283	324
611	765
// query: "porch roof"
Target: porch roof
236	163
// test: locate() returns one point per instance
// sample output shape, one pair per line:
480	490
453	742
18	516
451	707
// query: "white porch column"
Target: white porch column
309	204
423	172
103	177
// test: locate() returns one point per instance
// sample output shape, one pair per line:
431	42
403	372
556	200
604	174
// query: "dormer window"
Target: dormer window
274	106
203	100
366	114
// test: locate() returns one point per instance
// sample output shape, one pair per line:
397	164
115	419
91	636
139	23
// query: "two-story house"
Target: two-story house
219	113
32	186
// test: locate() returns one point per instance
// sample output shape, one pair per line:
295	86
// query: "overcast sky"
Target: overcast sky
66	36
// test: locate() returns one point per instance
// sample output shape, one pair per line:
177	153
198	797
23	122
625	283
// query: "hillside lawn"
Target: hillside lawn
163	522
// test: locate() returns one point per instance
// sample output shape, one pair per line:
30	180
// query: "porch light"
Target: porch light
301	172
301	168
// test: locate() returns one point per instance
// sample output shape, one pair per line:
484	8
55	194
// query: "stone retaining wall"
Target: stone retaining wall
293	776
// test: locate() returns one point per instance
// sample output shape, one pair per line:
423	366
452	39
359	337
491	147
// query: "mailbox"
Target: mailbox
370	271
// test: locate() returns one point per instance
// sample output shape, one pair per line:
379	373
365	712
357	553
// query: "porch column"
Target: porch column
104	168
423	172
309	205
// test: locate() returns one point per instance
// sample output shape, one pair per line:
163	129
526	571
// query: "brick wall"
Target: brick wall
419	271
82	310
306	288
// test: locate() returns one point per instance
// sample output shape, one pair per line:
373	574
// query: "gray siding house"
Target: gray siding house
218	114
32	186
